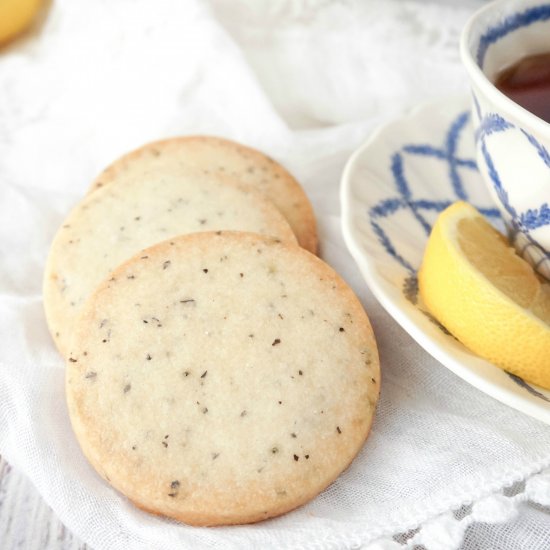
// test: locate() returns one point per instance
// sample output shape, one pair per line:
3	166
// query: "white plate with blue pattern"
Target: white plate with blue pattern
392	190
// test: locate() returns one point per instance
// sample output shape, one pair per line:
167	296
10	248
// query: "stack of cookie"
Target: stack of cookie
218	372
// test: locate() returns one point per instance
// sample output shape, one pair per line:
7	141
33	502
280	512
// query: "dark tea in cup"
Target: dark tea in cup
527	82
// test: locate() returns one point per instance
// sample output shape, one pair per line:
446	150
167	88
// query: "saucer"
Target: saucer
392	190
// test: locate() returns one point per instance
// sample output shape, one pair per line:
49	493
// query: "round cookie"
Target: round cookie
114	223
222	156
222	378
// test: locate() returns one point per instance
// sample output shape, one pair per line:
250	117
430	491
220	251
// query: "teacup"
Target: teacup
512	144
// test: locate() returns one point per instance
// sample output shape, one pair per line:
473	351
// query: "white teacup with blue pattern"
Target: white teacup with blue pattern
512	144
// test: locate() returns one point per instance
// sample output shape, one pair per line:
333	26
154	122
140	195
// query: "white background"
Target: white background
305	81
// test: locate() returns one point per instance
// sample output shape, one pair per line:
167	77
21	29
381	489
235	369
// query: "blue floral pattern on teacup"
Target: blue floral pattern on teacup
525	212
521	224
535	14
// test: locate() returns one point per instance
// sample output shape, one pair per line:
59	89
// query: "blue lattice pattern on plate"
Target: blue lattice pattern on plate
404	200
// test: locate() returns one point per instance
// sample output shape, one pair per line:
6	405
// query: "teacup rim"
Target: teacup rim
482	81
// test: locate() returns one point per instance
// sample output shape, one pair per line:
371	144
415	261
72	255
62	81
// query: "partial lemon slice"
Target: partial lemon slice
489	298
16	16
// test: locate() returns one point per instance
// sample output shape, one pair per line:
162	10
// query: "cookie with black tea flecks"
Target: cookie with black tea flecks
215	155
222	378
114	223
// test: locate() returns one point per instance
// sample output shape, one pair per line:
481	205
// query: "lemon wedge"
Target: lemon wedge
473	282
16	16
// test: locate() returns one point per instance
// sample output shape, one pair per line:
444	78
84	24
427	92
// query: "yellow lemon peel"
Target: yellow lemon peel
473	282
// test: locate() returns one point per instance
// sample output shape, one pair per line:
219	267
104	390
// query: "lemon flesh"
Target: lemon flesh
16	16
489	298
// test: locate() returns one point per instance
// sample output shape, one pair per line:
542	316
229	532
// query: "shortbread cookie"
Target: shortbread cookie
220	156
114	223
222	378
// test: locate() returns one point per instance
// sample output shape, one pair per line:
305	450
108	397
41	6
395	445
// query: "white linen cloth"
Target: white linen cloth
305	81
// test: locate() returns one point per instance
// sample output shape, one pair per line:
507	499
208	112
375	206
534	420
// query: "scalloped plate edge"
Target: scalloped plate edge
410	322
